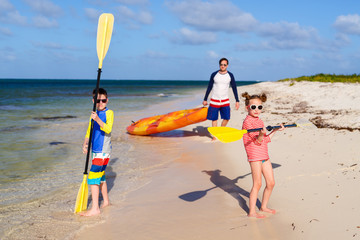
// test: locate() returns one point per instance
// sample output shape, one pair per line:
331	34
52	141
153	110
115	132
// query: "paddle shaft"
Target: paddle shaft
92	121
269	128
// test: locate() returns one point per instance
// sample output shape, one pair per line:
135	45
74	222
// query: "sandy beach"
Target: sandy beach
202	193
189	187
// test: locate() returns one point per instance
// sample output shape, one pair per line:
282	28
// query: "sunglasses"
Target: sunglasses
223	65
253	107
101	100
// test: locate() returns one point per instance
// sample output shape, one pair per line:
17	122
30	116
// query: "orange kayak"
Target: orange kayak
167	122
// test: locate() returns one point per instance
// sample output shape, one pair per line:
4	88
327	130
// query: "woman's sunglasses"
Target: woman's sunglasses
253	107
101	100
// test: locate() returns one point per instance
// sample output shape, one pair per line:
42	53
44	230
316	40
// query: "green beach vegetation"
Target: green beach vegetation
321	77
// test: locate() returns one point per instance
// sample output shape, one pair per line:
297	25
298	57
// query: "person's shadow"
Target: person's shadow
226	184
202	131
229	186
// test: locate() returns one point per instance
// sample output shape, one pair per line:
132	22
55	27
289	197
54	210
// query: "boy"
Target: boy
101	149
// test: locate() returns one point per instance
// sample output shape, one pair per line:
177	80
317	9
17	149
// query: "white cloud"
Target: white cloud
44	22
213	16
45	7
286	31
5	31
48	45
133	18
13	17
54	47
187	36
134	2
7	54
5	5
92	14
145	17
349	24
287	36
212	54
154	54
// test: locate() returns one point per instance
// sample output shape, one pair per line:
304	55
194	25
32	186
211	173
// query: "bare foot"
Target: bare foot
256	215
91	212
268	210
105	204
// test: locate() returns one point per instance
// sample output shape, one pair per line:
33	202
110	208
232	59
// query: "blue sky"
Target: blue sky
180	40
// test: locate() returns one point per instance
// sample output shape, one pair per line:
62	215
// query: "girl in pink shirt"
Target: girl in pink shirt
257	152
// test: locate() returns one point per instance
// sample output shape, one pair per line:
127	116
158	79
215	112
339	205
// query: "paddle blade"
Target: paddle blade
82	197
227	134
104	32
305	123
193	196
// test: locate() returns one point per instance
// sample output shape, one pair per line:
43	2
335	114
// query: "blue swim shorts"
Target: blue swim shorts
213	113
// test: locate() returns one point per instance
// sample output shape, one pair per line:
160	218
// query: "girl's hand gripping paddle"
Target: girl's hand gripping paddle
104	32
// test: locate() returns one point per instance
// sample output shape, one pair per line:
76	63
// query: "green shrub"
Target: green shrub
321	77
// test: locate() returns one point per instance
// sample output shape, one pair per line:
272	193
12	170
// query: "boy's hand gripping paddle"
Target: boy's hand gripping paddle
104	32
228	134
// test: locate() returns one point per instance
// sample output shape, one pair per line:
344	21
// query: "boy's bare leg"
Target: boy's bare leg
95	210
104	192
224	122
268	173
256	176
214	124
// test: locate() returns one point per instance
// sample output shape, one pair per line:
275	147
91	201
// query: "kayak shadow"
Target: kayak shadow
197	131
227	185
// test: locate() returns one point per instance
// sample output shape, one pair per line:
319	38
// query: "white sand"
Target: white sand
203	193
199	189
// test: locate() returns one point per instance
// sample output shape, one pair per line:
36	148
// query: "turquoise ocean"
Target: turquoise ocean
43	123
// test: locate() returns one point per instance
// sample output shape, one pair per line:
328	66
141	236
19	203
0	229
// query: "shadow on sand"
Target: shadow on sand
227	185
197	131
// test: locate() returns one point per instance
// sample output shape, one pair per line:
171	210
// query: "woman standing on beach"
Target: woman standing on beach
257	152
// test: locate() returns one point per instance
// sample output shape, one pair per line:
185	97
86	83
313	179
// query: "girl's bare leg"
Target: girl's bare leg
268	173
256	176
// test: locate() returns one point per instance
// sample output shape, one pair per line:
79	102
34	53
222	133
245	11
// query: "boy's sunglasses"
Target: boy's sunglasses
253	107
101	100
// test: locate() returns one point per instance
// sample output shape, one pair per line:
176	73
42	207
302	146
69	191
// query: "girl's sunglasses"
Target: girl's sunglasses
101	100
253	107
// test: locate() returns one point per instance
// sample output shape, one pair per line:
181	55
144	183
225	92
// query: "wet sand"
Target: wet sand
202	192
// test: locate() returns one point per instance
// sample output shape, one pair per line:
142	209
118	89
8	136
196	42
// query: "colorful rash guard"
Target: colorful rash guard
220	84
101	136
255	150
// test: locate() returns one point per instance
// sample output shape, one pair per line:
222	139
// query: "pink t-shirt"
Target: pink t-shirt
255	150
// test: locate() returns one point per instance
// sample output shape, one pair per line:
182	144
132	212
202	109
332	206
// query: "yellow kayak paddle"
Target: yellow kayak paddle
104	32
228	134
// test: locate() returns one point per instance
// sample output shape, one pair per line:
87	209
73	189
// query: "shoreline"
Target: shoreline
43	213
154	204
203	193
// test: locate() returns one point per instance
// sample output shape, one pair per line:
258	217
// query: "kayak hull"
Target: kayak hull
167	122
